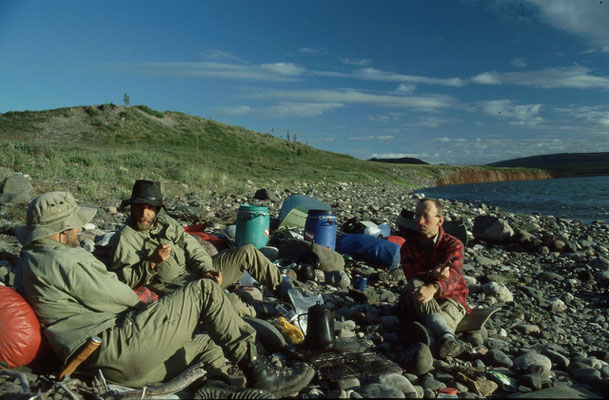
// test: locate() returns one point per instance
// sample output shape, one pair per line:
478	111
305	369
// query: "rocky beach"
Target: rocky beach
548	276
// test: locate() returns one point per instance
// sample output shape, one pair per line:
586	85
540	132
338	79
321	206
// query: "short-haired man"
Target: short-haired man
436	292
152	249
75	297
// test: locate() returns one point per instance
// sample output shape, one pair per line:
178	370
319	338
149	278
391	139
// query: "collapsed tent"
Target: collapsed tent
293	213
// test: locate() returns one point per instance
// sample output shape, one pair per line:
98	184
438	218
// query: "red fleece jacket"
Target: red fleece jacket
418	259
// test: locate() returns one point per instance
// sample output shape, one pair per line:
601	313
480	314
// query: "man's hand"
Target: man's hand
440	273
160	254
424	293
215	276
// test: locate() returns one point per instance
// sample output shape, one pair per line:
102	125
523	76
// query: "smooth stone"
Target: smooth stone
429	382
348	383
399	382
535	381
530	359
339	279
487	387
379	391
559	392
587	376
528	329
499	291
417	359
497	358
556	358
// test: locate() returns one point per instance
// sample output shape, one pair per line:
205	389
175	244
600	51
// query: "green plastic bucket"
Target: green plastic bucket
252	226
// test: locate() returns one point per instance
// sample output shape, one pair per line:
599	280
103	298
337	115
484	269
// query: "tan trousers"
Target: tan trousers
159	342
452	311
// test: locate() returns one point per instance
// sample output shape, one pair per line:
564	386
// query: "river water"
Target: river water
585	199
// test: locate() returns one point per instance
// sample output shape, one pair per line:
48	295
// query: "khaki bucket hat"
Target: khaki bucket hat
51	213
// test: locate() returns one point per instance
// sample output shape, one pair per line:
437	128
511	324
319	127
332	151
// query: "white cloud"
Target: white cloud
380	118
592	116
586	18
527	114
359	62
429	122
280	71
313	51
284	68
519	62
395	155
371	138
352	96
235	110
290	109
487	78
563	77
373	74
406	88
219	55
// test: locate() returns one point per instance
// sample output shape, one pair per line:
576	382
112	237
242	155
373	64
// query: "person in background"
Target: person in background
436	293
75	297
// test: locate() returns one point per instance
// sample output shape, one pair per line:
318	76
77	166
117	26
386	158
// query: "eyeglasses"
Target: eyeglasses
426	217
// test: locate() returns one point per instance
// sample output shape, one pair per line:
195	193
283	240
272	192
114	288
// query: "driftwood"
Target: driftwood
178	383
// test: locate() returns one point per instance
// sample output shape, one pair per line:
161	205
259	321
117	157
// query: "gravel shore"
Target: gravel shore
549	276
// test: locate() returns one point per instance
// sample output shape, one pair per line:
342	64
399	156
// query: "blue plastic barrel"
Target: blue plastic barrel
252	226
320	228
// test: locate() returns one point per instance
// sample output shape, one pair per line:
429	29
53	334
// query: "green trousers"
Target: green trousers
248	258
452	311
192	324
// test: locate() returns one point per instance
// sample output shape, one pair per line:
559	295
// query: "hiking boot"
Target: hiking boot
450	346
280	381
282	289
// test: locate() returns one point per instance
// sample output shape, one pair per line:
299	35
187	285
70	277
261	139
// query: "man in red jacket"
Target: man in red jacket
436	292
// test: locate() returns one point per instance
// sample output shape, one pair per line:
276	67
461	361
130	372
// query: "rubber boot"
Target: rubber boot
281	381
448	344
282	289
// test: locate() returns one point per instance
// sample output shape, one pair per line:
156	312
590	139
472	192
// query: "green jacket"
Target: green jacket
132	250
72	293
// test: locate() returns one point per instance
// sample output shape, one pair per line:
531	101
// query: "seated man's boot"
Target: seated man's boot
450	346
280	381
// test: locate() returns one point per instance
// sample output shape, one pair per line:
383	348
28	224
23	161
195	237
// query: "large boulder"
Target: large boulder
492	230
16	189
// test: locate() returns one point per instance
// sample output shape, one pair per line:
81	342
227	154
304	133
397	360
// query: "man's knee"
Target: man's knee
412	285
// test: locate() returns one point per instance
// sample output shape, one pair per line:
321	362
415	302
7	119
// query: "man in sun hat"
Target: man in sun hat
153	250
75	297
436	293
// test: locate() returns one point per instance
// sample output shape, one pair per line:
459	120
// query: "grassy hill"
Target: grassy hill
566	164
98	151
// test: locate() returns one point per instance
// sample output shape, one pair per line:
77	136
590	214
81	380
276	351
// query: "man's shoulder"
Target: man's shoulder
166	220
58	254
451	241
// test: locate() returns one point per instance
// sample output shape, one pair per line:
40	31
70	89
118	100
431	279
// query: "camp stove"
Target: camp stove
351	358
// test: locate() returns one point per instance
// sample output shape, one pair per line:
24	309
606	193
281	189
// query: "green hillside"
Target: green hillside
566	164
99	151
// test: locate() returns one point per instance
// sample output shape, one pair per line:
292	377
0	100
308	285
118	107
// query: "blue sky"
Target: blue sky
458	82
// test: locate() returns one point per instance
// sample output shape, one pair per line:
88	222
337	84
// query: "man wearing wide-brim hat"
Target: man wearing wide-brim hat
75	297
153	250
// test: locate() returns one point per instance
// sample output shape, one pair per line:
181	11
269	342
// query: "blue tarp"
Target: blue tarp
370	249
